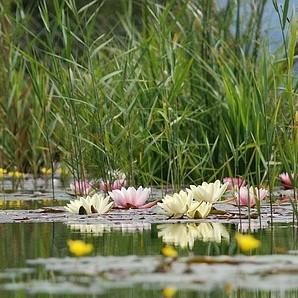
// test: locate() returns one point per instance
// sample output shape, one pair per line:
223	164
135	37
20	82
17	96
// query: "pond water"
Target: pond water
20	242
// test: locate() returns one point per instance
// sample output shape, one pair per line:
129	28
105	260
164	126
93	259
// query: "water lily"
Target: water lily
199	209
247	242
131	197
95	204
81	187
176	205
286	181
116	180
248	196
108	186
209	192
79	248
234	183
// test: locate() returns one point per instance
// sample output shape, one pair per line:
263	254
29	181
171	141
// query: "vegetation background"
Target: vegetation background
170	92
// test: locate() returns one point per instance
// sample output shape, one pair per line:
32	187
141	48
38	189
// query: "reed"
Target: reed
186	92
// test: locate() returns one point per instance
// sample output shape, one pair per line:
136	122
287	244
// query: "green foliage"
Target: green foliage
171	96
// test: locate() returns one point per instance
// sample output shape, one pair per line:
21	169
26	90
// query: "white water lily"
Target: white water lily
199	209
95	204
176	205
208	192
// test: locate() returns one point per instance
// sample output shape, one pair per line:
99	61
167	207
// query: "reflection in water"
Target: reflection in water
100	229
29	204
184	235
252	226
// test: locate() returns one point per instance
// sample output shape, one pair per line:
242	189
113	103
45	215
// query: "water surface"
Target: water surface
20	242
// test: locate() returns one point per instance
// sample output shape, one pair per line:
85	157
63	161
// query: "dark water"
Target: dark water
20	242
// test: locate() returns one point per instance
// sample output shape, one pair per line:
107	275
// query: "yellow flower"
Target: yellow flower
168	292
2	172
169	251
46	171
79	248
247	242
16	174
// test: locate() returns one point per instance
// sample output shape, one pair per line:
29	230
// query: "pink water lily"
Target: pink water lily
234	182
131	197
108	186
81	187
249	196
286	181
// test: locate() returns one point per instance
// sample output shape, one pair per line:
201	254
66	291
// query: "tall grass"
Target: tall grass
172	93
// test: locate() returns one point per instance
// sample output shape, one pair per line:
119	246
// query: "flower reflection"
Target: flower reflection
184	235
100	229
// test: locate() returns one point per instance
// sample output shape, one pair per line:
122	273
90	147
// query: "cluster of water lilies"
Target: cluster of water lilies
124	198
195	202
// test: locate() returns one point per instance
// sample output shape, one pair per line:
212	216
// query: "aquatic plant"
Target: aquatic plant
106	185
81	187
195	202
116	180
247	242
99	101
208	192
234	183
286	180
91	204
198	209
248	196
131	197
79	248
175	205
